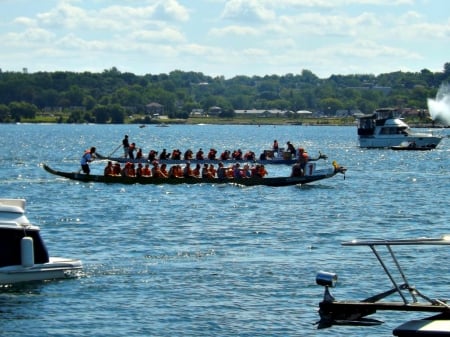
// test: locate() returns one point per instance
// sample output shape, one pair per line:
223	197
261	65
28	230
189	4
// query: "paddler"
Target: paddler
88	156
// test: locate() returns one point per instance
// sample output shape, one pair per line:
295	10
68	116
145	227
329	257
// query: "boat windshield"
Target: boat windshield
394	130
388	113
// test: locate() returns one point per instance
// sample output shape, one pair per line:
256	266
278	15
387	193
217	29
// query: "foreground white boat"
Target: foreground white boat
333	312
23	255
385	128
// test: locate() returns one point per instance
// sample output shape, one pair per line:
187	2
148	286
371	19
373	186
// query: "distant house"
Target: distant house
215	110
154	109
411	112
260	112
198	113
304	112
347	112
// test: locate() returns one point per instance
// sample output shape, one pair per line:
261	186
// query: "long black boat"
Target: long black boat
318	174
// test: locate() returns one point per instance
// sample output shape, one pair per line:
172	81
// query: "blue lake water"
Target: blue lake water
206	260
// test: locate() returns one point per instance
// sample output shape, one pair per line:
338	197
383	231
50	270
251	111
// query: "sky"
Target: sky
225	37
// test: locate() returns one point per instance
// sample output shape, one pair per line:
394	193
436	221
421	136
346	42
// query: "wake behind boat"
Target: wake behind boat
311	176
23	255
385	128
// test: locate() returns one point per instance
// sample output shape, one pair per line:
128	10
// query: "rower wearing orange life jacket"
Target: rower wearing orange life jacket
109	169
262	171
129	170
146	172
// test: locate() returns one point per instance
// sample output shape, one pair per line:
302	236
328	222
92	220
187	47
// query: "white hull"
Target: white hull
57	268
380	141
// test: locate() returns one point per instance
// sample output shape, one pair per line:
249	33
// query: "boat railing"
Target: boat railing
351	311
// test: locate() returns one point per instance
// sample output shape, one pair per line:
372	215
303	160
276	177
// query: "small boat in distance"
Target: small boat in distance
311	175
333	312
23	255
385	128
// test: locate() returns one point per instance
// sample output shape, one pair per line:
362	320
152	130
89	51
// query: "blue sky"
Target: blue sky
225	38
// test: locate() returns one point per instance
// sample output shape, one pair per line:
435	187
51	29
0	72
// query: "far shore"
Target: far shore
323	121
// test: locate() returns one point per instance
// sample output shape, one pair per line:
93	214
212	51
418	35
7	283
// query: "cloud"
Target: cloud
234	30
165	35
247	10
30	37
171	10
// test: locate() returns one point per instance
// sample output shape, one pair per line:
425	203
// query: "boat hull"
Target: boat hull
380	141
23	254
56	268
274	182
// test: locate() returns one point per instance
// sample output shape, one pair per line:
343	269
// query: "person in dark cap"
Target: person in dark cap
126	146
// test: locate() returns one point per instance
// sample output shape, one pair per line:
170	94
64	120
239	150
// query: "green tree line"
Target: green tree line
110	96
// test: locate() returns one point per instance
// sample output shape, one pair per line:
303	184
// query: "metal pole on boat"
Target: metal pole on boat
400	270
115	150
388	273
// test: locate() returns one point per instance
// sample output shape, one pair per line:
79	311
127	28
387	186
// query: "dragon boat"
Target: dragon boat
310	176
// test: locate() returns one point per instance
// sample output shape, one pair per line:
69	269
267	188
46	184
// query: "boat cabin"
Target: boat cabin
384	121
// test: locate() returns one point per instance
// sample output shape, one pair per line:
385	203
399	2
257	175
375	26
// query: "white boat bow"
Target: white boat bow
23	254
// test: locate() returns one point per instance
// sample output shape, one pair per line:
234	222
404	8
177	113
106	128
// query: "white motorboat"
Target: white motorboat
385	128
410	299
23	254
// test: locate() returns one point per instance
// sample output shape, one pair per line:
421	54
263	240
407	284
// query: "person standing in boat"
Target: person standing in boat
126	146
291	149
88	156
275	146
131	150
